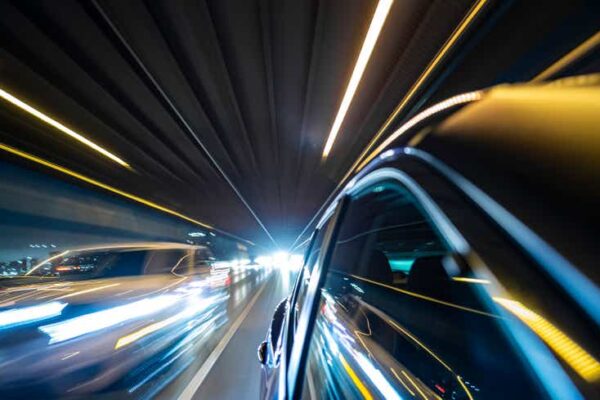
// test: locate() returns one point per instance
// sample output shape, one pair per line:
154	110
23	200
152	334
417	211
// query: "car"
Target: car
108	319
458	262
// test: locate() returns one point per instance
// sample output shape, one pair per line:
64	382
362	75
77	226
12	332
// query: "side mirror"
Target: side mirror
261	352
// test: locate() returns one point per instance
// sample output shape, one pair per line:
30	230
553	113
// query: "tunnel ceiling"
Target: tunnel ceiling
254	85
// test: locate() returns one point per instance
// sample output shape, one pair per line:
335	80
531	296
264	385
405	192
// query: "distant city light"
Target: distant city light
47	261
375	27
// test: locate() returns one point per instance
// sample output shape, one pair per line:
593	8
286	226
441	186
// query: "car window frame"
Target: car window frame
456	242
294	373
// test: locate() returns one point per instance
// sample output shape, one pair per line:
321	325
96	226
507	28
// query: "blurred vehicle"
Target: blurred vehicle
104	318
460	263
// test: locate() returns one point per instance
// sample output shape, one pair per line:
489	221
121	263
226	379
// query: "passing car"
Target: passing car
459	262
116	320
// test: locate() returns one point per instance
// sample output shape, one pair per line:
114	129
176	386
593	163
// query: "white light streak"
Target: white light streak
359	68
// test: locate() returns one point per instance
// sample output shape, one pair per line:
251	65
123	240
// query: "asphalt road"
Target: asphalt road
209	355
236	374
226	365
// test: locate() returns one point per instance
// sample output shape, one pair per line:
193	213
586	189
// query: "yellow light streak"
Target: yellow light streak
572	56
423	297
452	40
140	245
471	280
467	391
361	387
402	382
135	336
46	260
431	353
95	289
94	182
581	361
439	107
379	17
52	122
414	384
362	342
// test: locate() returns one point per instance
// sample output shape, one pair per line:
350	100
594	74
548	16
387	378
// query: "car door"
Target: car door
409	309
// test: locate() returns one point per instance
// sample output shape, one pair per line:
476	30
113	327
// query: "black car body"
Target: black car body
459	263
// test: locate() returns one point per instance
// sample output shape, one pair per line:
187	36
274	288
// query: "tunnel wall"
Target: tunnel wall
40	210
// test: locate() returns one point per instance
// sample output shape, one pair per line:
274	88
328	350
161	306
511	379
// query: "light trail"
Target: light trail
54	123
377	22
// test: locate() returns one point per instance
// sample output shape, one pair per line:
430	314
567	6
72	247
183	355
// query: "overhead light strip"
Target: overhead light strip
54	123
452	40
435	62
460	99
377	22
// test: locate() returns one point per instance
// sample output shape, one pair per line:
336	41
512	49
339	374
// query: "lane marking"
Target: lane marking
200	376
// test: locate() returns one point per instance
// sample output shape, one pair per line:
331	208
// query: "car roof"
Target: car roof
534	149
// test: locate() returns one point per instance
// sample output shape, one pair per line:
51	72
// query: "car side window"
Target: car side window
392	323
385	236
167	262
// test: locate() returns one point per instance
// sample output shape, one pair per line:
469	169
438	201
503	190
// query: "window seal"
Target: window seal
449	232
583	291
299	352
